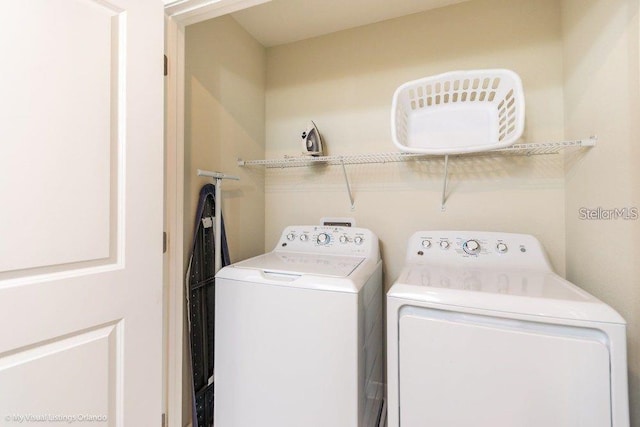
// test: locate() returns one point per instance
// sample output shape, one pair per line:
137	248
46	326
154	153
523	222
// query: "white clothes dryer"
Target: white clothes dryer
299	333
482	332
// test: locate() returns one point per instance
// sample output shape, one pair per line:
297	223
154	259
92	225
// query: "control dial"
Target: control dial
358	240
323	238
426	243
502	248
291	236
472	247
444	244
343	239
304	237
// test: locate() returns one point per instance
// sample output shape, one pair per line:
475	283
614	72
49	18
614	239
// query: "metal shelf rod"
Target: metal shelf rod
218	177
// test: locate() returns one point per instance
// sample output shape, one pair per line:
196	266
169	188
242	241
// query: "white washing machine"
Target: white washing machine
482	332
298	333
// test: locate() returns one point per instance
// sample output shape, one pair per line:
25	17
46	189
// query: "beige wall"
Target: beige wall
224	120
345	81
602	95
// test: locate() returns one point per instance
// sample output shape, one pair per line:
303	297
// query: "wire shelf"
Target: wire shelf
529	149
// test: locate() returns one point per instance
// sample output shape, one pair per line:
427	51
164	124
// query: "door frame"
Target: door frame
178	15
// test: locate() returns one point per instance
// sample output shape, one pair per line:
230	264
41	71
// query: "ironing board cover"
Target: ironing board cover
201	305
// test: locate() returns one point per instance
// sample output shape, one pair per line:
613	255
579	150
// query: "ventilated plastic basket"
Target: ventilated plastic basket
458	112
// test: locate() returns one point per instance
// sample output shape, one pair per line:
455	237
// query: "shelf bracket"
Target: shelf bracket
346	181
444	183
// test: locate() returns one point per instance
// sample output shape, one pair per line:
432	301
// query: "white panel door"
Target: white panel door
81	116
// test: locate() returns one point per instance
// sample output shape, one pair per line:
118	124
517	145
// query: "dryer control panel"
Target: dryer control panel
479	248
330	240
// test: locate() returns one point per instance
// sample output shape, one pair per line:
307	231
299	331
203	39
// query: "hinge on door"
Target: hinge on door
166	65
164	420
164	242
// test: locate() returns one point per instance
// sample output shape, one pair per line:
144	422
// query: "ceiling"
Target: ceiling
284	21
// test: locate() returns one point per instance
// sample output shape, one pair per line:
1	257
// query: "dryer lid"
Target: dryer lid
303	264
525	283
533	292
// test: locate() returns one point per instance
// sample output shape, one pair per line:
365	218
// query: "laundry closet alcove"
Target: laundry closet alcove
253	79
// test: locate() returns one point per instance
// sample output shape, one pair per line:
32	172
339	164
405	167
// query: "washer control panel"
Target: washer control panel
479	247
334	240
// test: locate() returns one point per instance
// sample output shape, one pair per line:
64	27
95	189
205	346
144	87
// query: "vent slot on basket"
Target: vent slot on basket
506	115
454	91
458	112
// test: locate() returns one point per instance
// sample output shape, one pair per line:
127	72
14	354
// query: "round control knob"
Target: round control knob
358	240
471	247
323	238
291	236
426	243
304	237
444	244
343	239
502	248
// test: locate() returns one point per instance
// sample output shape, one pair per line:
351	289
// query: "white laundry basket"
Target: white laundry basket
458	112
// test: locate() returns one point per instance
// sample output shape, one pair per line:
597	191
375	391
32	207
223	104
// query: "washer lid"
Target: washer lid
534	292
303	263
